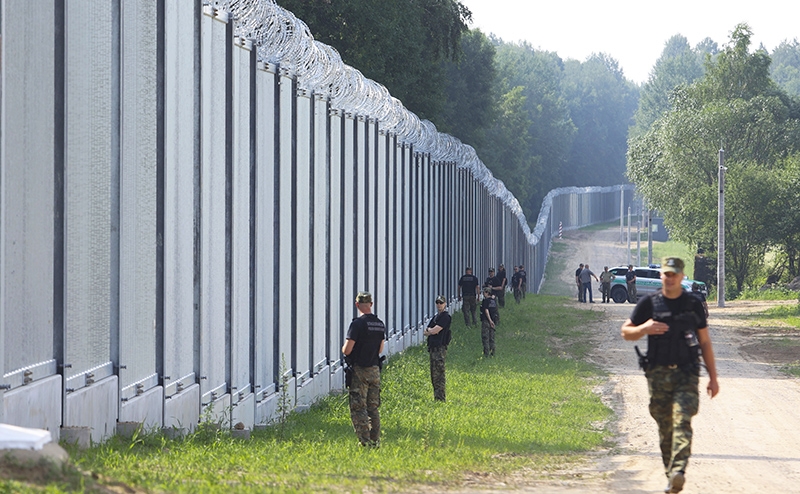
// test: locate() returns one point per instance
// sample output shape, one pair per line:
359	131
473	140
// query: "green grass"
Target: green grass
669	248
556	264
771	294
789	314
530	406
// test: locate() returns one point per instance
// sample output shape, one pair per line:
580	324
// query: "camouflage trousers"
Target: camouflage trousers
365	398
517	294
438	355
501	297
487	336
674	398
632	298
469	308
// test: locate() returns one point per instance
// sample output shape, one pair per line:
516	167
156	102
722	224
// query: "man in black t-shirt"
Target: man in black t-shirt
493	283
438	333
362	350
630	282
501	293
523	278
488	321
515	284
676	328
578	282
469	289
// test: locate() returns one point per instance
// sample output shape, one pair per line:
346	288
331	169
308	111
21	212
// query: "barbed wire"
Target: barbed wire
286	41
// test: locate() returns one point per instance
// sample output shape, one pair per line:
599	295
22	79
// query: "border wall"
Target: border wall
191	195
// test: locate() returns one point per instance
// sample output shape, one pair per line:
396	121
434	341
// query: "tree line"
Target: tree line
745	102
540	122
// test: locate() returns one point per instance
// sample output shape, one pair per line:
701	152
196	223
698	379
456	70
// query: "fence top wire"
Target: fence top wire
286	41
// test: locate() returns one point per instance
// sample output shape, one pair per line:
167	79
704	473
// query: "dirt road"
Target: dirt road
747	439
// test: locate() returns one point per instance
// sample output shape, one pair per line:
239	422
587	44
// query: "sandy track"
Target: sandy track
747	439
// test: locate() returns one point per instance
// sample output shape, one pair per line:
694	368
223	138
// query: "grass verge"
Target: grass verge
530	407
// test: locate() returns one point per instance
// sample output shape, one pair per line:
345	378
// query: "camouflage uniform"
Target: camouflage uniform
365	398
438	355
674	398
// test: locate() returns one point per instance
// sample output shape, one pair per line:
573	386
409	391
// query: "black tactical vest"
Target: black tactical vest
679	345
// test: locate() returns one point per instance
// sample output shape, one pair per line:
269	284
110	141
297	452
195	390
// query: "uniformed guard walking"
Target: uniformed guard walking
677	335
468	290
438	333
362	349
488	321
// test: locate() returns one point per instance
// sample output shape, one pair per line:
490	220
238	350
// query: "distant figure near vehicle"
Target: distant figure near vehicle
586	281
677	335
606	277
630	280
697	293
578	282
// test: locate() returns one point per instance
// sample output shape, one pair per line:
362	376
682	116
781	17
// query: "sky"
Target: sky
631	31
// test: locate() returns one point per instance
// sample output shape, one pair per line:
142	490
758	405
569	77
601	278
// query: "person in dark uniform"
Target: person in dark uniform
515	284
630	282
523	276
503	279
488	321
493	284
438	333
469	289
697	293
677	335
362	350
578	282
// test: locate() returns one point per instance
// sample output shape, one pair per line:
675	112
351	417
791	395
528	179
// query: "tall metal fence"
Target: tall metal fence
191	195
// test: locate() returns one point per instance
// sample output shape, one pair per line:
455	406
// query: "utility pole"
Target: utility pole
629	235
649	236
639	237
721	232
621	214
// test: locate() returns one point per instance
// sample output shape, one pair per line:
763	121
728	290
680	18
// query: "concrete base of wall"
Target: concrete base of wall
266	410
148	409
314	389
182	410
96	407
337	380
80	436
245	412
36	405
219	411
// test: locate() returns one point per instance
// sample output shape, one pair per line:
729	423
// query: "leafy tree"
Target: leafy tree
507	150
601	104
398	44
678	65
786	66
784	230
735	106
538	74
470	103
